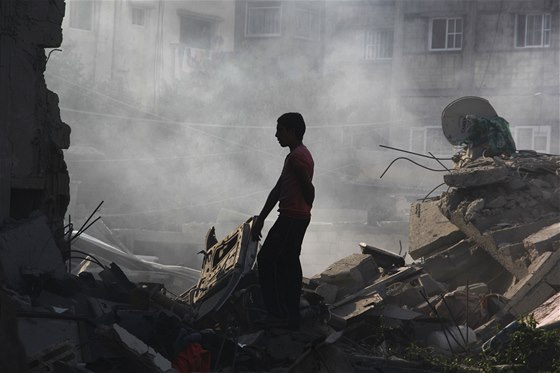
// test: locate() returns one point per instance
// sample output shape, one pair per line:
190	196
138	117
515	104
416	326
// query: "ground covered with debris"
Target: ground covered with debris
485	277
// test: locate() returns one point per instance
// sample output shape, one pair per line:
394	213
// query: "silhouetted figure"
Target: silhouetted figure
279	267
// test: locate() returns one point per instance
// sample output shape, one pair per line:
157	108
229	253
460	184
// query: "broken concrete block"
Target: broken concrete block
548	312
471	177
491	240
541	241
403	293
532	291
473	208
429	230
538	294
353	272
445	265
515	251
328	292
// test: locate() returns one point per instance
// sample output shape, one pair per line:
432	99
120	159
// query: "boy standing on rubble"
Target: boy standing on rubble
280	274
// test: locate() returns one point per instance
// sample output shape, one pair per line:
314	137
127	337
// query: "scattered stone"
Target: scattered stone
541	241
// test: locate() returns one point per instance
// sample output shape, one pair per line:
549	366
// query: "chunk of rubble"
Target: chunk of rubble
429	230
541	241
475	177
351	273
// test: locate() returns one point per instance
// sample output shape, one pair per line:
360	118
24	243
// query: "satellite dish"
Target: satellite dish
455	126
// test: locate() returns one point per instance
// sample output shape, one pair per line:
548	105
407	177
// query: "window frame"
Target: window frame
536	130
376	32
254	5
543	30
447	33
313	34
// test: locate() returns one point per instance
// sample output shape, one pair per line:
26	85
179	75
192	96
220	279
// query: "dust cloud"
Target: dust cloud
204	153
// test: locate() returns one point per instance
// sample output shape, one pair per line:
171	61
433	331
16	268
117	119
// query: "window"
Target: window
138	16
196	32
429	139
306	24
532	30
263	20
81	14
532	138
379	44
446	34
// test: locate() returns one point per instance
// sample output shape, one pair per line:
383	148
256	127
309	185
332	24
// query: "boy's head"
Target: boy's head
293	122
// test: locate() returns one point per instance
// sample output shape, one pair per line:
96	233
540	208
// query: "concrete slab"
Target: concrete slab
429	230
352	272
478	176
541	241
491	240
533	290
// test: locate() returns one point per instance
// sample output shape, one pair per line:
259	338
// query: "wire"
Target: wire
381	124
410	160
431	191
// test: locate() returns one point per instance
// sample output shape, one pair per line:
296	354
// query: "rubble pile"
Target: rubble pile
485	253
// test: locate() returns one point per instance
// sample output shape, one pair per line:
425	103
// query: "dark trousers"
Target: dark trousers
280	272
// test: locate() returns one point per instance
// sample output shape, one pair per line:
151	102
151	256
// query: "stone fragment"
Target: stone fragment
473	208
515	251
353	272
328	292
541	241
429	230
471	177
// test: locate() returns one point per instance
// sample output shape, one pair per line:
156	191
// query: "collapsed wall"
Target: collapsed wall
33	174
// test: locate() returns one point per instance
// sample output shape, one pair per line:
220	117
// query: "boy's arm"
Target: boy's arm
305	182
271	201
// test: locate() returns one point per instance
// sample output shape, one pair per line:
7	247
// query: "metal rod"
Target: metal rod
453	319
83	230
438	161
440	322
431	191
410	160
409	152
88	219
